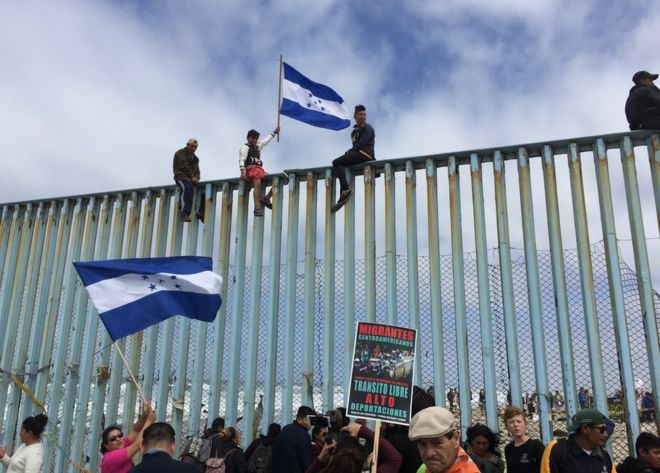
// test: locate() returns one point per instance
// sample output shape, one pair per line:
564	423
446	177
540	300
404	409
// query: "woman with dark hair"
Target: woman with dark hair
261	448
29	456
226	445
347	455
118	449
482	448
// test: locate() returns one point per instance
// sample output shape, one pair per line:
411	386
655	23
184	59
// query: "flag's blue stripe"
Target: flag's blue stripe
157	307
94	271
313	117
319	90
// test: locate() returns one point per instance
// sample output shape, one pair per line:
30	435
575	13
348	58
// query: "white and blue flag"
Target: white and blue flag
311	102
133	294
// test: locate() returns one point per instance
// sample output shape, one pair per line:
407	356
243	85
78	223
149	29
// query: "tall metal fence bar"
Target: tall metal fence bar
542	293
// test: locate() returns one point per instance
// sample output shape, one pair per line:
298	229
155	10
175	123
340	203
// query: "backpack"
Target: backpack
198	449
260	459
217	464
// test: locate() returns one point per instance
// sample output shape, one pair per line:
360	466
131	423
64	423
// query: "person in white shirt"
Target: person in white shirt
29	456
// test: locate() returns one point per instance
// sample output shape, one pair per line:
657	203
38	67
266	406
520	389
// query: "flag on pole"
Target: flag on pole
133	294
311	102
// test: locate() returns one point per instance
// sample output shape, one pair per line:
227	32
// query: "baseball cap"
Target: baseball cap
587	416
431	422
639	75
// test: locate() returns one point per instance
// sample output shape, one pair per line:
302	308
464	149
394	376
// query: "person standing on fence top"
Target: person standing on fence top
29	456
158	446
292	452
522	454
436	433
584	450
252	167
643	104
186	176
118	449
363	137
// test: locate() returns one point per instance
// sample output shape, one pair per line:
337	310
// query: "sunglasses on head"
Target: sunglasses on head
115	437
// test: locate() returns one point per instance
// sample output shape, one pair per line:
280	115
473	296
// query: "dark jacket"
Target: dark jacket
256	443
643	104
389	460
398	437
363	138
185	165
292	452
567	456
234	457
635	465
162	462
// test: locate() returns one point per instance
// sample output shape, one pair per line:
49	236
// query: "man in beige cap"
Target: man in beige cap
435	431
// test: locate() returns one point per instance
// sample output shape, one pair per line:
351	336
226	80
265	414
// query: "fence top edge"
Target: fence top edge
584	143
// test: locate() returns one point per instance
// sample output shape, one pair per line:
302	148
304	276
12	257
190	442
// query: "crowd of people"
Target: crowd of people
327	443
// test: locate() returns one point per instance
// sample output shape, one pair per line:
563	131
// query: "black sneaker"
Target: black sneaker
186	217
200	216
343	198
266	203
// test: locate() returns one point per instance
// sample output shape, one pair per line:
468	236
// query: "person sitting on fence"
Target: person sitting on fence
482	447
29	456
186	177
437	435
252	170
158	446
522	454
647	447
363	137
118	449
643	103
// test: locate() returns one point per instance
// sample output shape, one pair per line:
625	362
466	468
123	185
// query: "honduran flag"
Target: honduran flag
311	102
133	294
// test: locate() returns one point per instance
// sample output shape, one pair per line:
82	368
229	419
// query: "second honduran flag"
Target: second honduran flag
132	294
311	102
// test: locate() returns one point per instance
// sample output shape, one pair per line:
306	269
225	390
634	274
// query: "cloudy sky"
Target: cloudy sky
98	95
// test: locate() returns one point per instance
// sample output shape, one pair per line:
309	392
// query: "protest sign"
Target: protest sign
381	378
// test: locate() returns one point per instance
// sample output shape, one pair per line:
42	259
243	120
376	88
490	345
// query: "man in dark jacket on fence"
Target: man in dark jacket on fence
292	452
643	104
186	176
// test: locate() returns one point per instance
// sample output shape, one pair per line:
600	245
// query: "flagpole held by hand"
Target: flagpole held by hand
130	372
279	98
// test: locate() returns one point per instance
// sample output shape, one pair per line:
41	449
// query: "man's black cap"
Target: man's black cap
643	75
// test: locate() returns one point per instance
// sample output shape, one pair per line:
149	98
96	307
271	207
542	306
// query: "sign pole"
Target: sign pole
374	460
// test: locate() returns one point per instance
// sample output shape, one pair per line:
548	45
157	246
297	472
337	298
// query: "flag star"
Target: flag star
309	104
309	94
144	277
173	276
323	108
152	287
161	281
178	286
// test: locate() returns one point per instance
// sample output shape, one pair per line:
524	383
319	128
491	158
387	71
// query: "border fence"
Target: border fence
500	273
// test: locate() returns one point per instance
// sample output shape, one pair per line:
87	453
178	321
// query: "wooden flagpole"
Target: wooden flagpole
374	459
130	372
279	98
